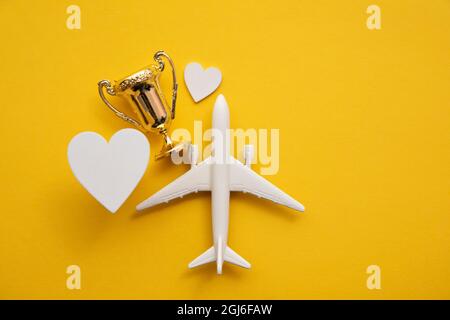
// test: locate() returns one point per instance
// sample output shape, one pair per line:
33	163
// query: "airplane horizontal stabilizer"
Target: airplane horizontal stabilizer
229	256
232	257
206	257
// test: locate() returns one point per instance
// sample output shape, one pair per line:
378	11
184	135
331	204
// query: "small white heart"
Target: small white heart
201	83
109	171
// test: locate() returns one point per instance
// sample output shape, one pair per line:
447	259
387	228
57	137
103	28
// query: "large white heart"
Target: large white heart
109	171
201	83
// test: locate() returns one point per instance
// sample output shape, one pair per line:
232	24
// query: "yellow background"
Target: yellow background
364	123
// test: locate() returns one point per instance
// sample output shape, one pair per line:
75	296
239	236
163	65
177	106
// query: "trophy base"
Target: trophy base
168	149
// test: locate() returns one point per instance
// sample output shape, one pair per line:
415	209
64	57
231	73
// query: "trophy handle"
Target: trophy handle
110	90
157	58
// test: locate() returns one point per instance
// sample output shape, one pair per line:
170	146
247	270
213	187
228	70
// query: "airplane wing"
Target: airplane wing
198	178
244	179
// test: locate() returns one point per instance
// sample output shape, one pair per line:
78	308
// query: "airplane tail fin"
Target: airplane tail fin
228	255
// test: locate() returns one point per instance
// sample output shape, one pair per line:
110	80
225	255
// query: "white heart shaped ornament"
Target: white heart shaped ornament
201	83
109	171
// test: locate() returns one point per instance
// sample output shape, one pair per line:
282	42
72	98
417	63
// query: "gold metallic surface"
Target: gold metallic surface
143	92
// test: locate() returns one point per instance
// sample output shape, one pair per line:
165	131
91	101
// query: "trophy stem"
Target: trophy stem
168	146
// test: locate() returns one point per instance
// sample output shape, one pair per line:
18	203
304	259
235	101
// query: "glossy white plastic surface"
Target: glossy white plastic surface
221	174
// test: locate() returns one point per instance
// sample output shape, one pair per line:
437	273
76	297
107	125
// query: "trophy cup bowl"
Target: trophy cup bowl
143	92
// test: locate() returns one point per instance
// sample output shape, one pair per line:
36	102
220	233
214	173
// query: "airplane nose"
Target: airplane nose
221	115
221	99
221	105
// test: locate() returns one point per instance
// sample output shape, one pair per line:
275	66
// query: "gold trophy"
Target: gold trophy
144	94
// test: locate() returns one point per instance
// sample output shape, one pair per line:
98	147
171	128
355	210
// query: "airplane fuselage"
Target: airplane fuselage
220	174
220	188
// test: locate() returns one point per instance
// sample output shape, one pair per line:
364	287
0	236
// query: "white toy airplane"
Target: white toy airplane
220	174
